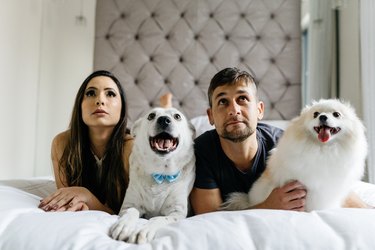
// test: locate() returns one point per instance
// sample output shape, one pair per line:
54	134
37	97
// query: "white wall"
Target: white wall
19	63
321	82
44	57
350	79
367	44
67	58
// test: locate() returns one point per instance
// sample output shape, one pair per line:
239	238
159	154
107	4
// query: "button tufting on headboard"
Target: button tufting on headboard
159	46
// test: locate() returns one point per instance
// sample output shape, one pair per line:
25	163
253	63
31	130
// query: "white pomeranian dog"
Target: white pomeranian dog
324	148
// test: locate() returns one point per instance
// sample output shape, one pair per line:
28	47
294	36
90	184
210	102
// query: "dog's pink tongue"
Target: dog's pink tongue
324	134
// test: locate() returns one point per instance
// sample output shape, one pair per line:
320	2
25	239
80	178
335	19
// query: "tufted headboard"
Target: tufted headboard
159	46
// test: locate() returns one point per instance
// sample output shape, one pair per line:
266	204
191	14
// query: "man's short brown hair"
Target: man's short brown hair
229	76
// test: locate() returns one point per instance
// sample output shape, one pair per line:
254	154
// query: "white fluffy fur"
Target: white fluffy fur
327	169
161	203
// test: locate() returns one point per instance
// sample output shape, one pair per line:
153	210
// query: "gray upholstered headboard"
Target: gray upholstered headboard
159	46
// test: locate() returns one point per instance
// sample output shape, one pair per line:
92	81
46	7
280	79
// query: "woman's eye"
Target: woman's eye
90	93
111	94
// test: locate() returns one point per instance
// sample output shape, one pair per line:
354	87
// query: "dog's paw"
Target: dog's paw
145	235
148	231
126	226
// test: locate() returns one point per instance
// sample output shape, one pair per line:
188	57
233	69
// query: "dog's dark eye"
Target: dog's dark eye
151	116
316	114
336	114
177	117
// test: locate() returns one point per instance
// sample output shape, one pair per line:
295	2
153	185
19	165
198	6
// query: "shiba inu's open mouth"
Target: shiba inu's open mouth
163	143
325	132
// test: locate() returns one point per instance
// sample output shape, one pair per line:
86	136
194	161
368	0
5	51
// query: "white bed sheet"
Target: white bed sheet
24	226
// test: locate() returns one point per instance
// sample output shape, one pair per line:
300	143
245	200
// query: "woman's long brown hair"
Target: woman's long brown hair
75	162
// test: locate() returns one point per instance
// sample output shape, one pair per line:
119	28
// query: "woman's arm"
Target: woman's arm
68	198
57	150
73	199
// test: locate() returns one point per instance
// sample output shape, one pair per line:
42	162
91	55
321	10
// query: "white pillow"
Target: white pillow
39	186
201	124
276	123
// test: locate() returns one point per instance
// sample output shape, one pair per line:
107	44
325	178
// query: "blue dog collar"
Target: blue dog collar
160	178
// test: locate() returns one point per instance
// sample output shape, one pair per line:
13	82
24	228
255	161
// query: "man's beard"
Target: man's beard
238	135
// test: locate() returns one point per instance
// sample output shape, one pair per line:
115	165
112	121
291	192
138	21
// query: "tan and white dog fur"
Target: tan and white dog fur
163	145
324	148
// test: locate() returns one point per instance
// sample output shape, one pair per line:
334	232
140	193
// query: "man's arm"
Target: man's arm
291	196
205	200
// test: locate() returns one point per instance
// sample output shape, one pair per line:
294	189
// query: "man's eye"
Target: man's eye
242	98
90	93
222	102
111	94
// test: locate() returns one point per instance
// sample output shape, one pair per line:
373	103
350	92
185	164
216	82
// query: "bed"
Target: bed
176	46
24	226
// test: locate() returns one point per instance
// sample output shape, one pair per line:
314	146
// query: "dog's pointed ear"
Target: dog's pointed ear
135	127
192	129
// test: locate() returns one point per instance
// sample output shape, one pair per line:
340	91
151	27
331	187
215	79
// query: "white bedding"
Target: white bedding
24	226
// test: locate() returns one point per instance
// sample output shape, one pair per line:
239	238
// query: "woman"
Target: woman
90	160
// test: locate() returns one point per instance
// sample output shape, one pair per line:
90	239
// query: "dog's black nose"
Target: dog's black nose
164	121
323	118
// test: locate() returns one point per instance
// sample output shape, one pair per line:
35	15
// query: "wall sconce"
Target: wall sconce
80	18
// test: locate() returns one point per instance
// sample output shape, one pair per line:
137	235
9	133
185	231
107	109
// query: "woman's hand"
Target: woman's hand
67	199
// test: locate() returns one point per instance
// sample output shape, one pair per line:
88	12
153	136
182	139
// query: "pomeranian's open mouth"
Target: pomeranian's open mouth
163	143
325	132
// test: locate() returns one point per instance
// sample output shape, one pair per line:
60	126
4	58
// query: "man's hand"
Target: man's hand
291	196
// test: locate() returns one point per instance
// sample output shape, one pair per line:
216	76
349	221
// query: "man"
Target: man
233	155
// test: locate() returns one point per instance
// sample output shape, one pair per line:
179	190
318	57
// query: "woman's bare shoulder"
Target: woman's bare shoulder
61	139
